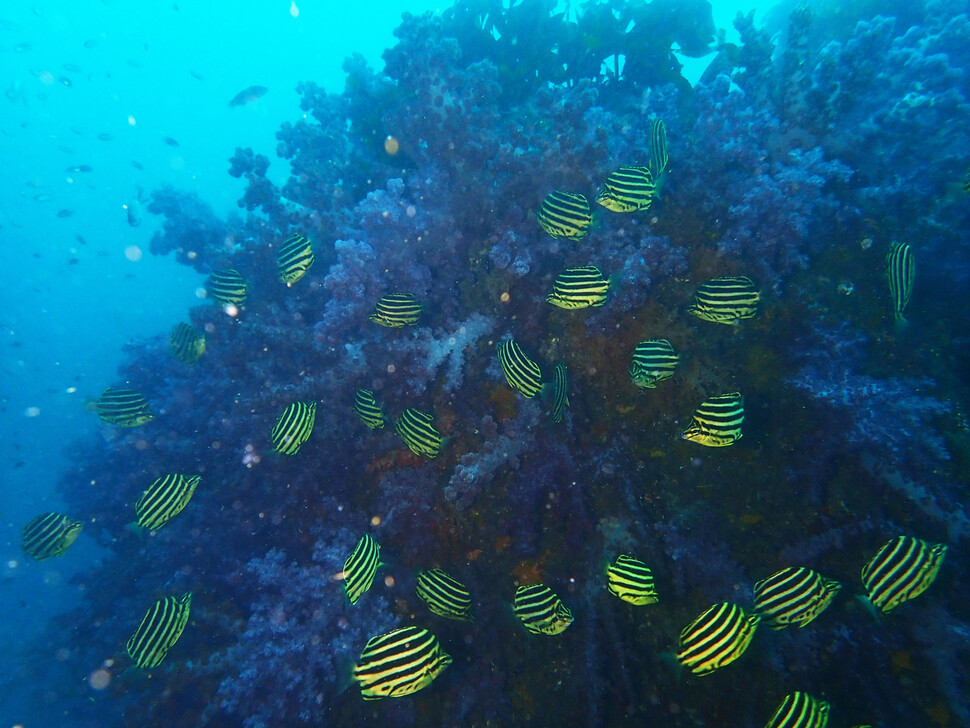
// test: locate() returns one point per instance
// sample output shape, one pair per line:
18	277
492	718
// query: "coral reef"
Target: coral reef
796	167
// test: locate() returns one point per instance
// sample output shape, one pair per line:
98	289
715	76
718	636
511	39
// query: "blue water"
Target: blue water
107	103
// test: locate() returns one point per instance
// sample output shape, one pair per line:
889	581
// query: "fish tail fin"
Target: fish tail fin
344	665
670	661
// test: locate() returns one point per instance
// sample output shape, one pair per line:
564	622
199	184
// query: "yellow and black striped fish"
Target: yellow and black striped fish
540	610
658	147
581	287
227	287
295	257
631	580
360	568
901	271
628	189
795	595
366	407
716	638
399	663
726	300
294	427
159	630
123	407
717	422
902	569
397	309
164	499
50	534
800	710
654	360
187	343
565	215
520	371
417	430
445	596
560	396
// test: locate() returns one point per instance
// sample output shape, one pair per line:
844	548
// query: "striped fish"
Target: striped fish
399	663
901	271
560	397
800	710
654	360
445	596
293	428
159	630
540	610
50	534
581	287
902	569
716	638
628	189
417	430
726	300
520	371
295	257
360	568
630	580
658	147
165	499
227	287
717	422
565	215
187	343
795	595
368	410
397	309
123	407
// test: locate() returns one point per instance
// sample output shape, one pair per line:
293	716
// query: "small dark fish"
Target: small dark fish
49	535
399	663
65	81
796	595
628	189
248	95
196	75
366	407
581	287
520	371
800	710
80	239
170	141
726	300
901	271
565	215
91	42
165	498
902	569
73	261
445	596
359	570
717	422
227	287
187	343
560	397
65	213
658	147
654	360
417	430
159	630
80	168
137	165
716	638
105	136
540	610
294	427
631	580
123	407
295	257
397	309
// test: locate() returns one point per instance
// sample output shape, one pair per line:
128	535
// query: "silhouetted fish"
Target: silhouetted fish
248	95
171	142
65	213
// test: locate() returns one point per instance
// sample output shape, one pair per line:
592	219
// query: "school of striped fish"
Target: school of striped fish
409	659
